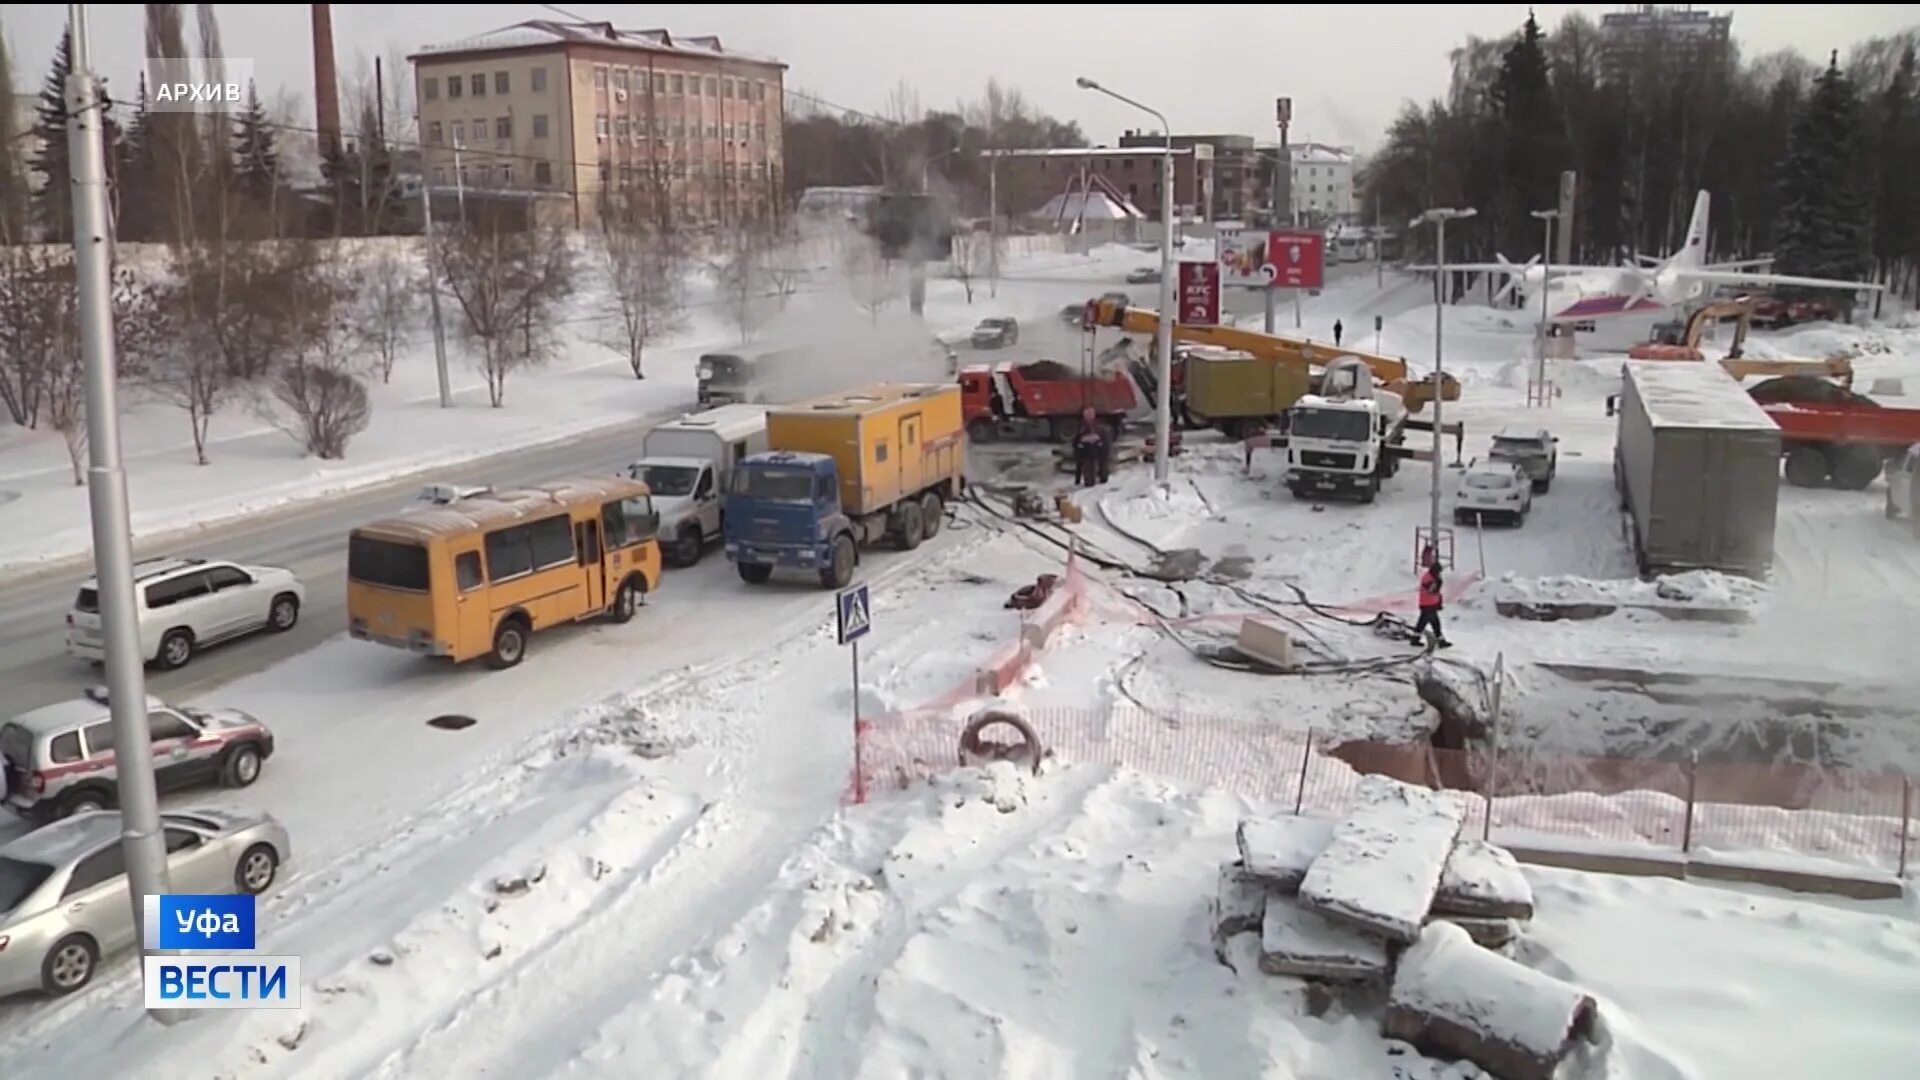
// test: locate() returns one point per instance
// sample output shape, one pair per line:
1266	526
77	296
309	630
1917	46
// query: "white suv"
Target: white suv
185	604
1493	489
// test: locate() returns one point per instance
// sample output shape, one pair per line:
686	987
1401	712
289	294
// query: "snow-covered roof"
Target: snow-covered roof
535	33
1093	152
1677	393
1079	206
1320	154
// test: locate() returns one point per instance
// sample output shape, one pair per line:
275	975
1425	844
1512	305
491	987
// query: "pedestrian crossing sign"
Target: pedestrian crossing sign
855	614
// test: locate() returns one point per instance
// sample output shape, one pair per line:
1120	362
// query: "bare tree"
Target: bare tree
389	298
646	272
783	263
968	260
323	401
740	276
66	369
870	277
28	275
510	284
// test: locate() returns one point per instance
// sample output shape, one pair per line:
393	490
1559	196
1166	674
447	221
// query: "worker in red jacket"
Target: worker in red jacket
1430	603
1091	452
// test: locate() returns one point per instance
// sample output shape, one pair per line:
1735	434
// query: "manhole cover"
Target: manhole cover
451	723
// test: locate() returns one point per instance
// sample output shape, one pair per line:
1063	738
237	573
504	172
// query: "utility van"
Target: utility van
688	464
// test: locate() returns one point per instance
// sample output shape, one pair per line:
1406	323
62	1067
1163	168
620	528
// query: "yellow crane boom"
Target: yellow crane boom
1262	346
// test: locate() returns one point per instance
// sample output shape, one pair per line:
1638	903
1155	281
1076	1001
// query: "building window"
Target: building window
537	79
540	125
542	173
506	176
679	127
430	88
501	81
455	86
673	85
439	175
478	85
659	82
503	128
699	170
713	86
619	78
693	86
606	170
620	126
600	76
713	131
600	125
459	133
434	133
726	89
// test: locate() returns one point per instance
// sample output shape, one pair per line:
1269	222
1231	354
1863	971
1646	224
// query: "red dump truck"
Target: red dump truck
1043	399
1831	435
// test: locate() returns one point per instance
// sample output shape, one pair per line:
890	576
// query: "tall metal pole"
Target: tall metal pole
433	300
1379	265
1163	401
1538	395
459	181
993	223
1439	376
140	834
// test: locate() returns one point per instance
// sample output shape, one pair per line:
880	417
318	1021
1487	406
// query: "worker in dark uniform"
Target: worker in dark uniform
1337	328
1430	603
1090	451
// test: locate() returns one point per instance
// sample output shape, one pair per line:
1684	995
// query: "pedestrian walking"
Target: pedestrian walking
1337	328
1430	603
1090	451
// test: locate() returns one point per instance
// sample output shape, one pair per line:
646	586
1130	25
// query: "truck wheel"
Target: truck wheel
688	546
837	573
1807	467
983	431
931	511
754	573
911	526
1855	468
1064	428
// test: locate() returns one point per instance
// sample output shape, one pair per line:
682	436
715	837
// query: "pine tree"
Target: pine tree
256	164
1824	227
137	173
13	172
53	201
1896	212
1530	130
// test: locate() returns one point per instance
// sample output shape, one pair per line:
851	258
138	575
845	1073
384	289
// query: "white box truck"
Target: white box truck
688	463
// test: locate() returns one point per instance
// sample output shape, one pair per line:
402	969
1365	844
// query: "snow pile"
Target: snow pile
1691	588
1455	998
1381	868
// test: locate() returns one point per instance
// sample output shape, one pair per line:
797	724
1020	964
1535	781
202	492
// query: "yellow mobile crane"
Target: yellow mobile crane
1269	347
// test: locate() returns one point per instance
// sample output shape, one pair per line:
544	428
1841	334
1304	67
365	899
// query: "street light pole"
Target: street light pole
433	299
1163	403
1537	395
140	834
1438	217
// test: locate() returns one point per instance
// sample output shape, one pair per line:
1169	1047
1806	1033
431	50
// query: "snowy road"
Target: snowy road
311	541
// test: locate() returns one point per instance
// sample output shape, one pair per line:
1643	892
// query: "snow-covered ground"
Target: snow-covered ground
256	466
648	858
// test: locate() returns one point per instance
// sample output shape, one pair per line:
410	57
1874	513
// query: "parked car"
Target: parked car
63	888
996	332
58	760
1533	449
184	605
1145	275
1493	491
1073	314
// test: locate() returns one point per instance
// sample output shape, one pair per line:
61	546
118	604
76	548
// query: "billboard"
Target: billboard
1285	260
1199	297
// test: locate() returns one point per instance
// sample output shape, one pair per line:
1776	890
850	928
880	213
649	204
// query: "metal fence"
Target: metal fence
1844	816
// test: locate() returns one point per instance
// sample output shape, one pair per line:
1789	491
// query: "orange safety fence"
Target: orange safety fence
1840	815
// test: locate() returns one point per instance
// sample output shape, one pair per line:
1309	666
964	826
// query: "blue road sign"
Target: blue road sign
855	616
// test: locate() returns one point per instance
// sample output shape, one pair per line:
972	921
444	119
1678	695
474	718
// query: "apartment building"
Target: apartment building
1029	178
1322	182
1240	173
679	125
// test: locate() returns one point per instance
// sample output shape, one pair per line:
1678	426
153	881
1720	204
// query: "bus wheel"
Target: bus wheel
625	602
509	643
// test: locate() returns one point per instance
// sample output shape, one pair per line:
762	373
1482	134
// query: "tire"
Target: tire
983	430
932	510
69	965
259	865
1855	468
1807	467
626	601
283	613
754	573
509	644
839	571
1063	429
911	526
83	800
175	649
242	766
688	546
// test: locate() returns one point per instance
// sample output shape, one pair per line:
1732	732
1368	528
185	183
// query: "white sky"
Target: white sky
1210	68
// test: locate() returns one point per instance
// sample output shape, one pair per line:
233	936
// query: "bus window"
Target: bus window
466	569
628	522
388	564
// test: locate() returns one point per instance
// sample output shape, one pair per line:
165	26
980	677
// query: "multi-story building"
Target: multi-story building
1239	174
1031	177
1322	182
682	126
1628	39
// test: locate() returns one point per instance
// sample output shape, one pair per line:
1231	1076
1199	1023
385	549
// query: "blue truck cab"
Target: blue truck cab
783	509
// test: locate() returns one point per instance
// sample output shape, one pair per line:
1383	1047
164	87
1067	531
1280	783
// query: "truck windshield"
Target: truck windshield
668	479
1331	424
774	485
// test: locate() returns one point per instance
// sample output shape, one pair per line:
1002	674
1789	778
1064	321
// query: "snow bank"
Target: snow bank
1381	868
1483	881
1697	588
1454	997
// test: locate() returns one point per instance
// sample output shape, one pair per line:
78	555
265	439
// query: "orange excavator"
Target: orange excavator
1681	341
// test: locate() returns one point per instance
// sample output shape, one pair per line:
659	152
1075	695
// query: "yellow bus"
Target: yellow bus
475	577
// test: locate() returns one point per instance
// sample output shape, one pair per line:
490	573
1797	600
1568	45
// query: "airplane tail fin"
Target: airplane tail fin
1694	254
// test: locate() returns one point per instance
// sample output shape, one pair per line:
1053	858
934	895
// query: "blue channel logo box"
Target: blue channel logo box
215	923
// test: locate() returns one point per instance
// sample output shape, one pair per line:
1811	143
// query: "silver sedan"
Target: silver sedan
63	888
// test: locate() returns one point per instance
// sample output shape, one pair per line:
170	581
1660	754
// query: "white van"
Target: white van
687	463
1903	487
